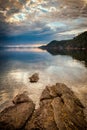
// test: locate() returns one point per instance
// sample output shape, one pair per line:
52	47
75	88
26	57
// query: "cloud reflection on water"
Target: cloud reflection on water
51	69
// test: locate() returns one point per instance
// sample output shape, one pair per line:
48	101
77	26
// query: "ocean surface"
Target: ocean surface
18	64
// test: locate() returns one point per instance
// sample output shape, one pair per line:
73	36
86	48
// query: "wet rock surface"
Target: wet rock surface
16	116
21	98
59	109
34	78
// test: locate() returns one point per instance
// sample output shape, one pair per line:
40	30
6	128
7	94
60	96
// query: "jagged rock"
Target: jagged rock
21	98
59	109
16	116
34	78
43	118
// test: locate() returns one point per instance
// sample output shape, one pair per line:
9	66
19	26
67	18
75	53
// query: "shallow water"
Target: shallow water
17	64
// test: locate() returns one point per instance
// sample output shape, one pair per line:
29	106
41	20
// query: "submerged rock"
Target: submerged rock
59	109
16	116
34	78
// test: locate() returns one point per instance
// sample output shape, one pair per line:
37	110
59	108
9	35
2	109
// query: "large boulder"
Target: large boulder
59	109
16	116
34	78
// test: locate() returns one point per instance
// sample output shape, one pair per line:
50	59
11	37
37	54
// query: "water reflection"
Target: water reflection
21	49
76	54
16	67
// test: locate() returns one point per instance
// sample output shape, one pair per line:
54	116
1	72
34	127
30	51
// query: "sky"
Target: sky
41	21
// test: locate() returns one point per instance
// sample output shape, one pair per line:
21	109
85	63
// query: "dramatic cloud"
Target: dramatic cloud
55	19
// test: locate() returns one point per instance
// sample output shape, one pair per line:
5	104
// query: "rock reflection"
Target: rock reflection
76	54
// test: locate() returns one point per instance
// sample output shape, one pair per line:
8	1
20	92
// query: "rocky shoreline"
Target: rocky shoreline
59	109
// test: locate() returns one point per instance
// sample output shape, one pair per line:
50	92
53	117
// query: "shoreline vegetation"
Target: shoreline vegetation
59	109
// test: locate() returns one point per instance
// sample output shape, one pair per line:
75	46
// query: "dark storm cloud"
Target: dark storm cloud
52	18
7	9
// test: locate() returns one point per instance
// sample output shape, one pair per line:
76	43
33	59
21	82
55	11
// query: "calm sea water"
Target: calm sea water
17	64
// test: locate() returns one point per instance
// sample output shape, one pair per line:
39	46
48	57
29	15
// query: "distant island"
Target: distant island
79	42
76	47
